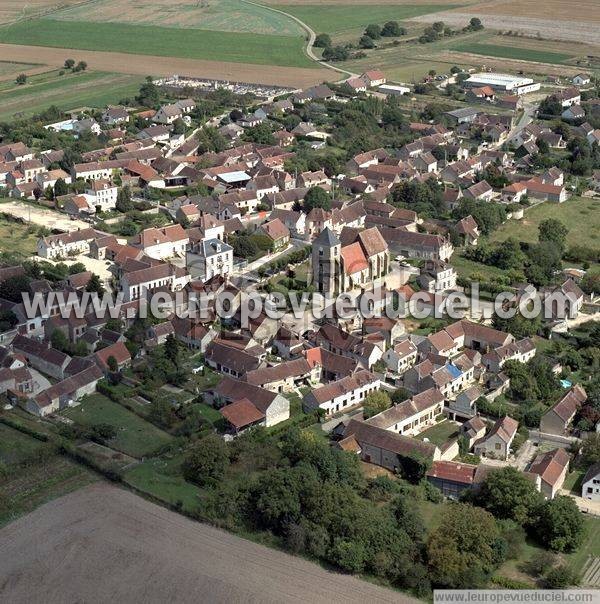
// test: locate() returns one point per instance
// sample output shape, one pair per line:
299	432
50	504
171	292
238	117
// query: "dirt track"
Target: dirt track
105	544
161	66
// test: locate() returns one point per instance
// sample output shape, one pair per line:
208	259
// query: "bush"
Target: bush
560	577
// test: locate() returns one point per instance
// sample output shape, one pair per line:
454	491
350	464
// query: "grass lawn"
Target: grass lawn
590	546
469	268
512	52
69	91
208	412
580	215
15	446
162	479
573	481
15	237
162	41
135	436
440	433
337	18
431	514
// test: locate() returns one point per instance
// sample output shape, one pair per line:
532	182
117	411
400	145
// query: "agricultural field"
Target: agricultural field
135	436
8	68
338	19
13	10
68	91
512	52
580	215
16	447
162	41
215	15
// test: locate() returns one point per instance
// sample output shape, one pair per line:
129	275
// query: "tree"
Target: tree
59	340
560	526
124	203
554	231
161	413
69	63
349	555
392	29
462	550
179	126
561	577
21	79
507	493
373	31
149	95
260	134
60	187
336	53
366	42
591	281
316	197
475	24
112	363
322	41
81	66
95	285
376	402
206	461
172	349
590	450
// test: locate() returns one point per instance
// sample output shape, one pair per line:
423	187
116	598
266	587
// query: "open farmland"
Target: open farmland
512	52
216	15
12	10
8	68
69	91
150	554
164	41
336	18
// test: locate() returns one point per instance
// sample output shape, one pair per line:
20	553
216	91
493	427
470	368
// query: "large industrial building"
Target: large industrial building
502	82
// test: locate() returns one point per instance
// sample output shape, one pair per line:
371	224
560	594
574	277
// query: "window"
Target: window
497	446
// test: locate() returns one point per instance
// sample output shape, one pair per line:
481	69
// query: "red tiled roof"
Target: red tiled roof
241	413
453	471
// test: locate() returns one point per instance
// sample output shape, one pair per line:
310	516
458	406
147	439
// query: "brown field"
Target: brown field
571	10
116	62
117	547
12	10
367	2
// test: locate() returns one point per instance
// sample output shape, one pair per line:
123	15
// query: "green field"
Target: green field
580	215
512	52
161	478
216	15
15	237
16	447
69	91
259	49
8	67
135	436
336	18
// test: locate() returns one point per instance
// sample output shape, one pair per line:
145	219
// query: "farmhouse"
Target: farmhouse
497	443
559	417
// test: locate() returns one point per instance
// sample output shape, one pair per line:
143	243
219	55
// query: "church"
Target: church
354	260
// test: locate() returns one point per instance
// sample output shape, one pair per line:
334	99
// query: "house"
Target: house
573	113
137	283
473	430
66	244
162	243
484	93
284	377
401	356
192	334
536	188
513	193
476	336
87	125
464	405
412	416
340	342
167	114
417	245
115	115
215	258
384	448
102	194
481	191
451	477
590	485
294	221
374	78
274	406
568	97
552	468
118	351
581	79
437	276
496	444
559	417
333	366
465	115
468	229
357	84
342	394
522	351
65	393
230	360
277	232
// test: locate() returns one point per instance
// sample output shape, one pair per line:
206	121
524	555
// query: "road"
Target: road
105	544
526	118
311	38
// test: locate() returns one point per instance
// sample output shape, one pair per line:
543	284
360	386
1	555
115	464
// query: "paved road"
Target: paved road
105	544
311	38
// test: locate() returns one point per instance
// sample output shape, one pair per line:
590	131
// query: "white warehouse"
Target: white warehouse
503	82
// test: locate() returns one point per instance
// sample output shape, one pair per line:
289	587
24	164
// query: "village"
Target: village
351	188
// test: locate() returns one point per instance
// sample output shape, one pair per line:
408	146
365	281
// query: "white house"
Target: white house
590	486
102	194
581	79
162	243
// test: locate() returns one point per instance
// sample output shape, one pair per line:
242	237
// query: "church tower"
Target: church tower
326	265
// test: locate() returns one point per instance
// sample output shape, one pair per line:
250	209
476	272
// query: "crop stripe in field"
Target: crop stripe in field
513	52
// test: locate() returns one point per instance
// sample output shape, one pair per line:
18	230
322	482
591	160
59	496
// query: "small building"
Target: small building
581	79
451	477
559	417
552	468
590	485
496	444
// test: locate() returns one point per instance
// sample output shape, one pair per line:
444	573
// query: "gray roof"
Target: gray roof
327	237
214	246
